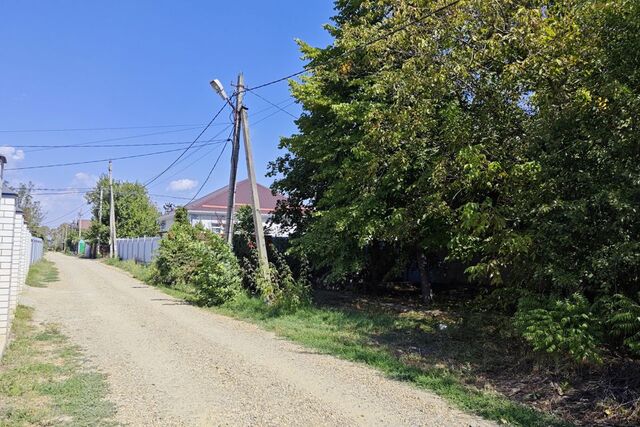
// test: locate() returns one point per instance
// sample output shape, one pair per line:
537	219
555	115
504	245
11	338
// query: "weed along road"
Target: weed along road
169	363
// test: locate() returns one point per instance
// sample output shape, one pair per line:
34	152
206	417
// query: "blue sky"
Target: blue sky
147	64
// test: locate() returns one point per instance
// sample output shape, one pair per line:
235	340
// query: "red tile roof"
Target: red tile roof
217	201
85	224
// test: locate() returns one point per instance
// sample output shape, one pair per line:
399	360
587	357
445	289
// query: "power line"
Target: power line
363	45
189	147
191	153
272	103
271	115
210	172
121	138
146	144
95	129
55	165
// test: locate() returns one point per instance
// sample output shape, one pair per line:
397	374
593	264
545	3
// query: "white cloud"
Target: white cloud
85	179
11	153
182	184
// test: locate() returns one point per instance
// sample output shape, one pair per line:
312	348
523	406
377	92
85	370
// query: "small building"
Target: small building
211	210
83	225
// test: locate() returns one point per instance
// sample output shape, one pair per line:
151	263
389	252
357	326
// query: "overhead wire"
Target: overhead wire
210	171
95	129
146	144
120	138
358	47
224	105
84	162
272	103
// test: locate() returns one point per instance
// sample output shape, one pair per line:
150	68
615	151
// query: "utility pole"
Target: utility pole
99	222
113	247
79	228
255	200
235	151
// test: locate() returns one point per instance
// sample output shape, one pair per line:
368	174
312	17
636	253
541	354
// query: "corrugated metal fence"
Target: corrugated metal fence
139	249
37	249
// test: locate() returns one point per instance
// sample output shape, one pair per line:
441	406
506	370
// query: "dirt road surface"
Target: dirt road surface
170	364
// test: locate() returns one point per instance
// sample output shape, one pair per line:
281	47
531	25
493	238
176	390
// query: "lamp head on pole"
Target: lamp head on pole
217	86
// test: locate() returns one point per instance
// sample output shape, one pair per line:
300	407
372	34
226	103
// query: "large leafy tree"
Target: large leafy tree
503	134
136	214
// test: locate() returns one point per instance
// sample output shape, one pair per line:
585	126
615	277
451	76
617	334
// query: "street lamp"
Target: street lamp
217	86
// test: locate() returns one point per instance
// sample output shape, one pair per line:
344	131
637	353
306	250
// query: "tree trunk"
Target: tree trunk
425	284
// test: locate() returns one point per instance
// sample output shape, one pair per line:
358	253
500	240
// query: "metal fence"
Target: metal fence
139	249
37	249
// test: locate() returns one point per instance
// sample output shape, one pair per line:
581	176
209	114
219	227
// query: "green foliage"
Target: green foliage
624	321
500	134
32	209
198	261
136	215
282	288
217	275
560	327
181	215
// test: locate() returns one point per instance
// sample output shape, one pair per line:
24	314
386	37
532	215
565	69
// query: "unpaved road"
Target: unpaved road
172	364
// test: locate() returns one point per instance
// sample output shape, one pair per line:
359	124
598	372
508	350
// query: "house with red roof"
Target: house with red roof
211	210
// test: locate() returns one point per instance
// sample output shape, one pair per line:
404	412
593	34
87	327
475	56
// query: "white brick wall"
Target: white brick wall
15	258
7	208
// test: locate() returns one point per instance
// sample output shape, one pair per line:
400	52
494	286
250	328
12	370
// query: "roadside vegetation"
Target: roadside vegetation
41	273
381	338
497	139
44	380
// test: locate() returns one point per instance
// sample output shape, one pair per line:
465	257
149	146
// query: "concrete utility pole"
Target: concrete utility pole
113	247
235	151
79	227
255	199
99	221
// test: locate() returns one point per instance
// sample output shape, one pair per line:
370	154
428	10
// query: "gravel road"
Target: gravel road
169	363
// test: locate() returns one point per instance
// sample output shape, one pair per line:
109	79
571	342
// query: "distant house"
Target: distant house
211	209
83	225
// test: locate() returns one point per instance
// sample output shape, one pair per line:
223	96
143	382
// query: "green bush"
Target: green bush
560	327
624	321
283	290
196	260
216	277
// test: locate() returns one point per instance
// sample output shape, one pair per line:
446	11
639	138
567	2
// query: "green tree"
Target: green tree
503	134
136	214
32	209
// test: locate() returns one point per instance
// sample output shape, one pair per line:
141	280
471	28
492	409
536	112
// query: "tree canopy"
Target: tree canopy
136	214
501	134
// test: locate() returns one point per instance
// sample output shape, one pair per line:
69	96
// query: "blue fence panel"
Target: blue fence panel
139	249
37	249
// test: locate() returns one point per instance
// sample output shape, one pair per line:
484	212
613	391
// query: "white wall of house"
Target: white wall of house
214	221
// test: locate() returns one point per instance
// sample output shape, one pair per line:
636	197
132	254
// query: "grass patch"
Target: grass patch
43	381
41	273
139	271
375	338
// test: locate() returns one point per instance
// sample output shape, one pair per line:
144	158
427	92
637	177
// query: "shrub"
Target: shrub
623	319
216	277
560	327
198	261
283	290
